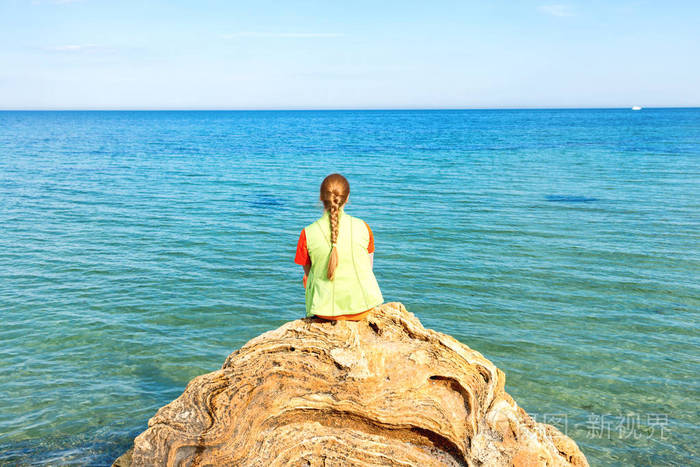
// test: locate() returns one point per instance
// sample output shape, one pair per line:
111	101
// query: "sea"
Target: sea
139	248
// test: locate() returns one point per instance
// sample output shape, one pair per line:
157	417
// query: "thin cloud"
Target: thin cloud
71	48
559	10
55	2
89	49
293	35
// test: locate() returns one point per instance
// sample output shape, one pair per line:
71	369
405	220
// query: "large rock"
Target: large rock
384	391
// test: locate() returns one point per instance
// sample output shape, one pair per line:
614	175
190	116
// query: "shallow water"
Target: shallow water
139	249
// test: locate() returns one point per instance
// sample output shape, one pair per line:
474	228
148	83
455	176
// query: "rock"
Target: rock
124	460
382	391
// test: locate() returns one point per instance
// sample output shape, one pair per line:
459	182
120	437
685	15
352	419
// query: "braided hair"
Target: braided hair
334	193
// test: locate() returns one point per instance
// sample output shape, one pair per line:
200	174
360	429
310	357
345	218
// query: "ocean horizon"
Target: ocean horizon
139	248
341	109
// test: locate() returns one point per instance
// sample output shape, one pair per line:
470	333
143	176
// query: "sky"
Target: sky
259	54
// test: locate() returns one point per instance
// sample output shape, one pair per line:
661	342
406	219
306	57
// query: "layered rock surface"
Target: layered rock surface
382	391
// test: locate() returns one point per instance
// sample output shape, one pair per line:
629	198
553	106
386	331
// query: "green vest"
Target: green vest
354	288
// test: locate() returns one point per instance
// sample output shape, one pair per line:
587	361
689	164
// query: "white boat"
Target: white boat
636	107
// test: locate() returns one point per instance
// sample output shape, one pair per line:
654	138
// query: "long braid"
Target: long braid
334	193
334	210
333	217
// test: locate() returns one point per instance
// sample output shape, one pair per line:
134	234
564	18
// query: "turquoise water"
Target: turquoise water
138	249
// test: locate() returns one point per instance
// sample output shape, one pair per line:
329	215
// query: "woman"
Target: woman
337	252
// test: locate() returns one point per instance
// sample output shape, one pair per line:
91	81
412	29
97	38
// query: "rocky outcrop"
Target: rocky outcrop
382	391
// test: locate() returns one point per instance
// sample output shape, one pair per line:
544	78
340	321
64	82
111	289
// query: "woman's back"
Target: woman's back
354	288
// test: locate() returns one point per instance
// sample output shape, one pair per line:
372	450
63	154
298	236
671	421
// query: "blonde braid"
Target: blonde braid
335	200
334	210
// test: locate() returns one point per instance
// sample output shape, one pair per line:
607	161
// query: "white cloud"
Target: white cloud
71	48
298	35
87	49
560	10
55	2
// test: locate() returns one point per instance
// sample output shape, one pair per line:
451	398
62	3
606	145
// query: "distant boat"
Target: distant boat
636	107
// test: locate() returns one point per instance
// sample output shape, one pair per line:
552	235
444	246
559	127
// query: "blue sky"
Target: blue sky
85	54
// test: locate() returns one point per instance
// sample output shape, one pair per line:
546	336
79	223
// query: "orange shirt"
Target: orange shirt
353	317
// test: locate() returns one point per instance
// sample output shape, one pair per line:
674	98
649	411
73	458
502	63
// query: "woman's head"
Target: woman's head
335	190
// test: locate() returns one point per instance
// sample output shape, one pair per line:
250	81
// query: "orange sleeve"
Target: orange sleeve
302	256
370	247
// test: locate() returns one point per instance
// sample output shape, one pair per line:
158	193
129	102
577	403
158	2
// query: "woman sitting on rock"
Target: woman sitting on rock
337	252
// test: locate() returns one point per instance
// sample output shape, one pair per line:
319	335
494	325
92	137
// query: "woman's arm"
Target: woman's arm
371	260
307	268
